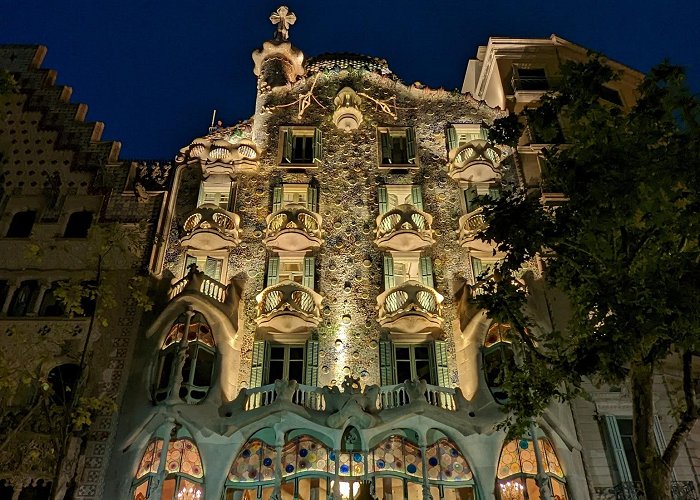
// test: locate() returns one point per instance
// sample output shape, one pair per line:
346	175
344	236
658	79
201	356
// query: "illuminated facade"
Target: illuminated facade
316	335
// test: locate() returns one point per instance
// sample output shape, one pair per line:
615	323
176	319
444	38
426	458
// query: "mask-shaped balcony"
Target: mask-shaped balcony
469	226
411	311
475	161
210	227
404	229
288	311
293	229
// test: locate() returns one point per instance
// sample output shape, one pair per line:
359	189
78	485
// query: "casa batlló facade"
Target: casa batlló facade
317	336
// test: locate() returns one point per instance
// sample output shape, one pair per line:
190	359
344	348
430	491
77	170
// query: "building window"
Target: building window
184	474
413	362
272	362
218	194
530	79
482	268
296	268
400	362
24	298
198	367
300	146
397	146
392	196
51	305
211	266
409	266
517	471
474	195
295	196
21	224
78	225
498	359
461	134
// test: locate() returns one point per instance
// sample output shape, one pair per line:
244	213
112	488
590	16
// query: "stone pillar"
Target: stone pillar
157	482
542	477
181	357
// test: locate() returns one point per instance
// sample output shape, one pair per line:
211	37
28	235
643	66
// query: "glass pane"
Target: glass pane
296	371
296	353
275	371
166	367
141	491
421	352
403	371
512	489
403	354
277	352
204	368
423	371
169	486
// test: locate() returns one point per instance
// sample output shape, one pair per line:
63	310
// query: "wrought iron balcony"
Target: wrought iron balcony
411	311
293	229
404	229
469	227
288	310
210	227
475	161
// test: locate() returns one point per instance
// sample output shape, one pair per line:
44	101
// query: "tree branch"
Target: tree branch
688	417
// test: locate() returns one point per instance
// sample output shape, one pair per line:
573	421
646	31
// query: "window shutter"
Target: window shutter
312	198
273	266
318	145
276	198
257	365
484	133
470	196
661	440
309	264
383	199
189	260
232	192
386	363
311	363
441	370
494	192
411	145
451	138
389	282
477	267
616	449
426	271
212	268
288	145
385	139
417	197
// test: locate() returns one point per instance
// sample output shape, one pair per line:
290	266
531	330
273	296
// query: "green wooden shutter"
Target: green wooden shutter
383	197
189	260
417	197
212	268
309	264
257	365
470	196
451	138
441	371
385	140
484	133
273	269
426	271
311	363
386	363
288	145
318	145
389	281
312	198
616	449
411	145
477	267
276	198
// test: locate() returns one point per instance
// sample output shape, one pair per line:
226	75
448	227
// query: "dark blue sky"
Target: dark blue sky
153	71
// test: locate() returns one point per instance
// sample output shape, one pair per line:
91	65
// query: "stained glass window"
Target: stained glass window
151	458
517	468
306	454
183	457
254	463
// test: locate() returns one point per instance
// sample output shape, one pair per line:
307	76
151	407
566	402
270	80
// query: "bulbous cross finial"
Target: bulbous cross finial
283	19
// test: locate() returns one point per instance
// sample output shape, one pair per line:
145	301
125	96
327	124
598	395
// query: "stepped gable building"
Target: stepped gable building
319	338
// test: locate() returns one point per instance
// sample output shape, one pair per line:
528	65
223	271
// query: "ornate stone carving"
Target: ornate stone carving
347	115
352	405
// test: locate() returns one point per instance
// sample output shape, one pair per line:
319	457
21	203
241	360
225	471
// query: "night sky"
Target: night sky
153	71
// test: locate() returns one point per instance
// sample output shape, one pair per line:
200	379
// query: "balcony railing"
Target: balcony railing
680	490
410	308
288	308
396	396
293	229
475	161
404	229
469	227
197	281
210	227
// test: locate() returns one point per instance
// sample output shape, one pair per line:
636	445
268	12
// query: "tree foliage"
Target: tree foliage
623	248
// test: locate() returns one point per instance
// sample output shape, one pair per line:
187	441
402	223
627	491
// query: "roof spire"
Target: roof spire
283	19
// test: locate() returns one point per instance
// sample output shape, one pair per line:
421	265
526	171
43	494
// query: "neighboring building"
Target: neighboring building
318	337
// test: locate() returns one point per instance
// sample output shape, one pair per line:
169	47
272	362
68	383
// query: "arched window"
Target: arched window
517	469
22	224
50	304
182	465
198	367
498	358
78	225
24	298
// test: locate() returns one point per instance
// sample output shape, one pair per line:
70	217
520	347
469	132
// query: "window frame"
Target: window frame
223	190
299	131
285	361
432	362
411	146
200	258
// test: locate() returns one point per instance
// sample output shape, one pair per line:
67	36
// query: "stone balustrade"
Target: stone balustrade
293	229
475	161
404	229
410	308
210	227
